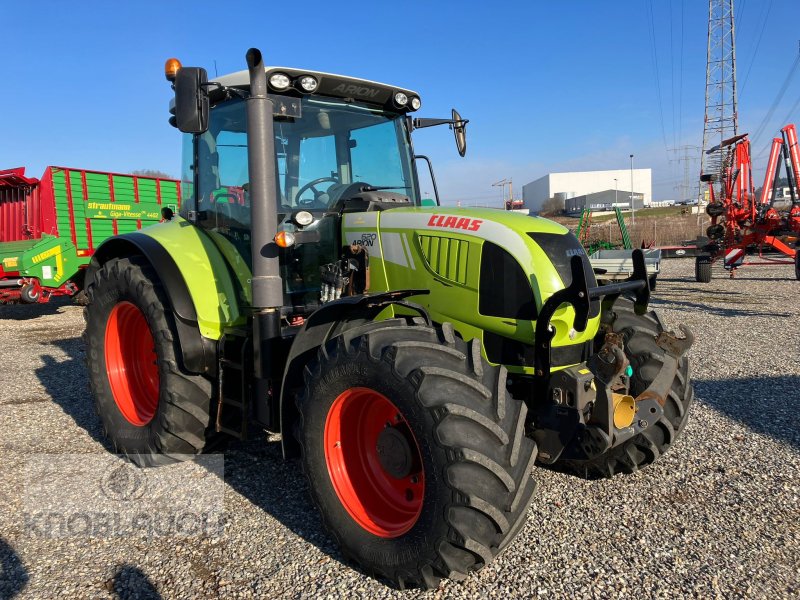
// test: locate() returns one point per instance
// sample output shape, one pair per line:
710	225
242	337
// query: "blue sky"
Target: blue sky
547	85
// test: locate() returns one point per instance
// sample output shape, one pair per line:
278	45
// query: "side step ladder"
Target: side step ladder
233	390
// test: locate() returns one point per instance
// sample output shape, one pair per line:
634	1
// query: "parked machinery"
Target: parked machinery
50	227
741	223
419	394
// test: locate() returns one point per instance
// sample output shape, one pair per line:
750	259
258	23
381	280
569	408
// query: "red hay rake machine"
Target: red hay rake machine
744	226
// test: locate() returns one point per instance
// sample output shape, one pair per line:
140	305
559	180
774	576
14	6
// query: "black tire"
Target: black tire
29	294
639	333
181	425
475	457
702	269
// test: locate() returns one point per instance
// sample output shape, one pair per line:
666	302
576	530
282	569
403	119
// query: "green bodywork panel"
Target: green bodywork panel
204	269
437	248
51	260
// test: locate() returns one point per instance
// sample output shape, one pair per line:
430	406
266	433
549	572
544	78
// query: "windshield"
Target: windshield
331	145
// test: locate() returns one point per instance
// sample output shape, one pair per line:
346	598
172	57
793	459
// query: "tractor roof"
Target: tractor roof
329	85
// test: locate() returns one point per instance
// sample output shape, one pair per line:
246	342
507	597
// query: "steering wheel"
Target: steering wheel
311	185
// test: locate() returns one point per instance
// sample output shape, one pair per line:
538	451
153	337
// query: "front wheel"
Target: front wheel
415	453
639	334
151	409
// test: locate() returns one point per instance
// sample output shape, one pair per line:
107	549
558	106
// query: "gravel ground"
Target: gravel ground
718	516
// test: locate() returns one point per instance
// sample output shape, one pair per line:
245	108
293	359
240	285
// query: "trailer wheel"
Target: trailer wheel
30	293
151	410
702	269
416	455
639	333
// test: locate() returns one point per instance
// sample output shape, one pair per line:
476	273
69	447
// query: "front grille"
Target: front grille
446	257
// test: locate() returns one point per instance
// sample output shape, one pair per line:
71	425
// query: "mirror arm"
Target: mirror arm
229	92
421	123
433	177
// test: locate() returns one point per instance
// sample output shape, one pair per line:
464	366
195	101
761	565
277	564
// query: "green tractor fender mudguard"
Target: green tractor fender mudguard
193	272
326	323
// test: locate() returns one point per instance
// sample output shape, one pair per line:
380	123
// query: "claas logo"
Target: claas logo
454	222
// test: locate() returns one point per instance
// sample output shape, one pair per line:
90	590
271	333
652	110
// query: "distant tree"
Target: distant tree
151	173
552	206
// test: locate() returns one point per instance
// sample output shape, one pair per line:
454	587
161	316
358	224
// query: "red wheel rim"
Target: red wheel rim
132	364
387	504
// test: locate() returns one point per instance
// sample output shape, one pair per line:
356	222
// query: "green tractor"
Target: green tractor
418	360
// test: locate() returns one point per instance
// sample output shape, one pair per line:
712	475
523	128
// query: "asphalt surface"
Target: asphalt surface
717	516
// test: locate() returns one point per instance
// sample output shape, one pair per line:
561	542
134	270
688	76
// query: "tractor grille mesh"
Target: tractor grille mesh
446	257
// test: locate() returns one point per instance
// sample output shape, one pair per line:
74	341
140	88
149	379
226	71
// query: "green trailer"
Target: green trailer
49	227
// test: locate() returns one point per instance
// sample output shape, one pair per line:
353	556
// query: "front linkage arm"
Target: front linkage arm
578	295
592	404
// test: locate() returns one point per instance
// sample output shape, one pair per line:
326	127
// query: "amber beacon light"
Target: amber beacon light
171	68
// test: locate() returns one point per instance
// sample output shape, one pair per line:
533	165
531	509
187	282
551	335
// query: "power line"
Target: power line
765	121
766	148
758	44
672	71
658	75
680	84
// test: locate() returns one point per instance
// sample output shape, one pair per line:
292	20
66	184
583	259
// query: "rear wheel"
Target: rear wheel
415	453
702	269
639	333
152	410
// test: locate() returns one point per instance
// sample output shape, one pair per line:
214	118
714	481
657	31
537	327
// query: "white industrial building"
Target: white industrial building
581	183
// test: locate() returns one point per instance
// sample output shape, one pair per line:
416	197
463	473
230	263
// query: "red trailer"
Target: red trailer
49	227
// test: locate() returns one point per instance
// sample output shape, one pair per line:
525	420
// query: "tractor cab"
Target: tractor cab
340	145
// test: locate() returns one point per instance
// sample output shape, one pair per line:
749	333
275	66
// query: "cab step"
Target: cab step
234	388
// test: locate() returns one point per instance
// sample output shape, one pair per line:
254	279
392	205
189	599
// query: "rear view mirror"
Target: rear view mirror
460	131
191	100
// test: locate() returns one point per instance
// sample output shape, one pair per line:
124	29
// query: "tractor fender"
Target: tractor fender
197	324
326	323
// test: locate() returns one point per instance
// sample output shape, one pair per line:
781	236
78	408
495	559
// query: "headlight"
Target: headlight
280	81
308	83
415	103
303	218
401	99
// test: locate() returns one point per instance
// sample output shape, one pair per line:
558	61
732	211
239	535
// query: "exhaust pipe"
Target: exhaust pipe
266	284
